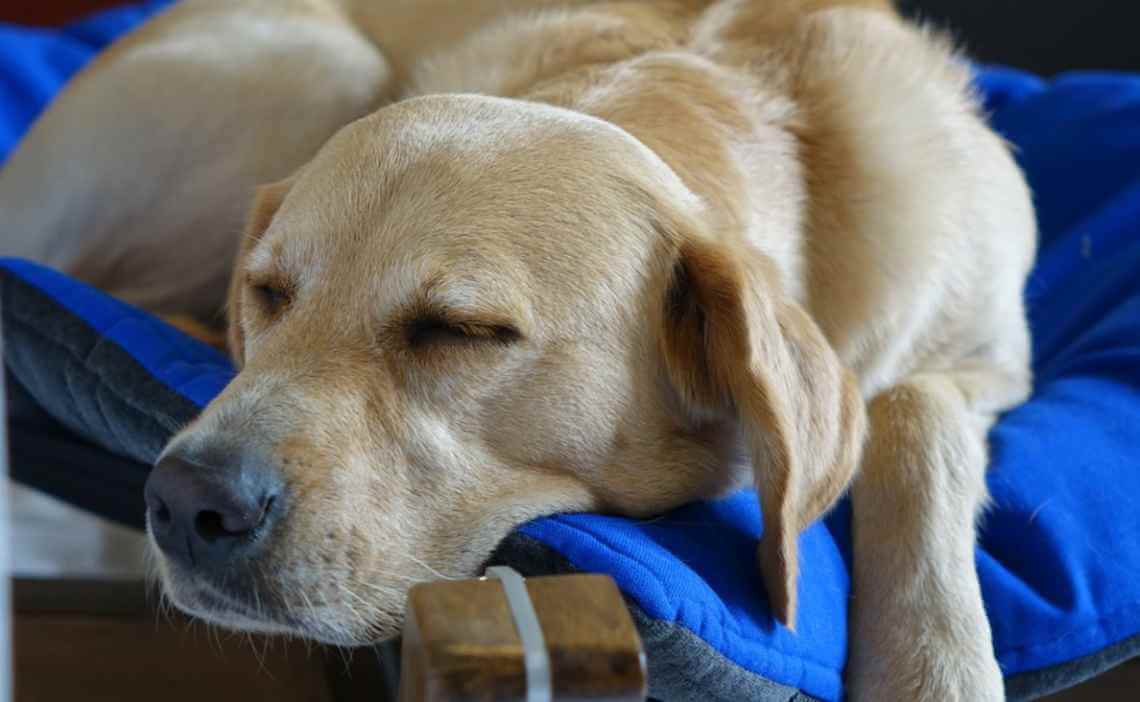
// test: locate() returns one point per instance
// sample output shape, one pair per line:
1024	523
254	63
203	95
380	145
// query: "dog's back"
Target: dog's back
857	153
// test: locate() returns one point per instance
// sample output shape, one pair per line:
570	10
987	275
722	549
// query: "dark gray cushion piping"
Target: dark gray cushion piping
1038	683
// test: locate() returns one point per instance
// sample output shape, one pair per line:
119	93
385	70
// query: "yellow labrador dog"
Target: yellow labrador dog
522	257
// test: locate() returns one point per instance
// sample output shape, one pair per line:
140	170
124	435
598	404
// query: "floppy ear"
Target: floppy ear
734	341
266	201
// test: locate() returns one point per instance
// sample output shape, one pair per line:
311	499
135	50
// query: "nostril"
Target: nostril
266	508
214	525
160	513
211	526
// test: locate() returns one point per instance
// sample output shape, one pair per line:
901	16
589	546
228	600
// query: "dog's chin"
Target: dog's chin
210	604
203	603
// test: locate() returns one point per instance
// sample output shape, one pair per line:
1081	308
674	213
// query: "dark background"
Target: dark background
1045	36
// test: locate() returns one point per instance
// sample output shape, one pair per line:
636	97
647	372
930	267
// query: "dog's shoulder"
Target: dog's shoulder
517	51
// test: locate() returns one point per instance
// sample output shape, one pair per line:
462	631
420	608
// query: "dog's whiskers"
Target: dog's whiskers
429	569
352	575
367	607
258	610
310	612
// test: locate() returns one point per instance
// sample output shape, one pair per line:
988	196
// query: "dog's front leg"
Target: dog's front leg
919	630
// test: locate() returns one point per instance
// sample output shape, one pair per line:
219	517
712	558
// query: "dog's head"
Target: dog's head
465	313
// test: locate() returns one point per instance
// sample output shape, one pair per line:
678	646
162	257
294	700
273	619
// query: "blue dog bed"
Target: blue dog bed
97	388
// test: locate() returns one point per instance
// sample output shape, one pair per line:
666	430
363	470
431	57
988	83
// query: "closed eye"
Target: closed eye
429	331
271	298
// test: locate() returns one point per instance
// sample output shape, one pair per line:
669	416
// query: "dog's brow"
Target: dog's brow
263	262
470	298
276	261
259	258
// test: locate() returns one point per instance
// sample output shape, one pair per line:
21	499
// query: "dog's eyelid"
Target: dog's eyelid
272	292
436	327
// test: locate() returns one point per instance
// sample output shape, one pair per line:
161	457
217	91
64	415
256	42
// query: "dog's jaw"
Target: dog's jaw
266	614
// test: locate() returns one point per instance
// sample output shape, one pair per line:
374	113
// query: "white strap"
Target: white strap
536	660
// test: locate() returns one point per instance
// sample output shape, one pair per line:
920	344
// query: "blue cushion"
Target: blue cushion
35	63
1059	550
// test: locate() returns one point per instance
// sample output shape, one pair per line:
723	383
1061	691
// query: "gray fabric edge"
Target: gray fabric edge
1038	683
84	380
87	418
684	668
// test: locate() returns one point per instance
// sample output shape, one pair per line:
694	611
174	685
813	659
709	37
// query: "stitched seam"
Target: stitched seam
152	369
167	422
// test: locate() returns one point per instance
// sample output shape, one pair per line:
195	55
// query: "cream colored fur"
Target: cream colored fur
661	243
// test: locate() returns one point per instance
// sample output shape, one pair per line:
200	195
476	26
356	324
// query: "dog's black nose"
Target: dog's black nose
207	516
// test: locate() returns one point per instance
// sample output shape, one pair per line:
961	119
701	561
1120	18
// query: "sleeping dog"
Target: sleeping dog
518	257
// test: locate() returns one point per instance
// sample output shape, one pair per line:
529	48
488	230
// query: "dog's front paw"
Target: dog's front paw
893	667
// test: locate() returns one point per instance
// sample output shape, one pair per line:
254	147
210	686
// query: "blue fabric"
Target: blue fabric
35	63
1060	550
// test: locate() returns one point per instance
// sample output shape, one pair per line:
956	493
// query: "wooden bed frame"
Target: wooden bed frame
50	12
105	640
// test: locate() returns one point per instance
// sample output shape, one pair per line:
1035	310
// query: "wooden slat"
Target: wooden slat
80	596
460	642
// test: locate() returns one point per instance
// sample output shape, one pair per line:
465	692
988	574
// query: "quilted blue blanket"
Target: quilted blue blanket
1059	555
